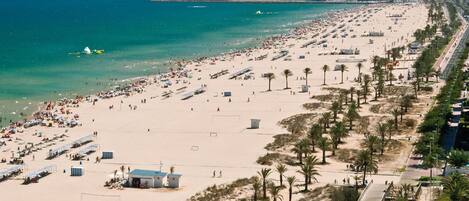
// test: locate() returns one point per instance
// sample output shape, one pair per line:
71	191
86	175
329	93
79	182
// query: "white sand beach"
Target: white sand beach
210	132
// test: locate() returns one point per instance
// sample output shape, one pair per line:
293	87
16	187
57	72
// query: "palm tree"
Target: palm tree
375	60
358	98
456	186
335	110
291	182
365	163
315	132
406	102
270	77
352	114
309	171
395	113
381	130
312	161
327	119
281	169
342	69
366	85
458	158
264	173
371	143
256	186
304	169
301	147
323	144
395	53
275	192
325	68
359	66
307	71
334	134
391	76
287	73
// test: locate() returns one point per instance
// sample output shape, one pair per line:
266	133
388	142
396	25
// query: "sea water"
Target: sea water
41	41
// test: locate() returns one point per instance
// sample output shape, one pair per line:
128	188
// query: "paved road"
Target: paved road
375	192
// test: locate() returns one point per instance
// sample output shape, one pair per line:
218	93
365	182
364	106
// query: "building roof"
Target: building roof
174	175
147	173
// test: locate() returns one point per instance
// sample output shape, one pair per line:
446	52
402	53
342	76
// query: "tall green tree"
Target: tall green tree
270	77
359	66
458	158
381	130
325	68
264	174
365	163
275	192
281	169
343	68
366	86
307	71
456	186
352	114
323	144
315	132
287	73
291	182
335	108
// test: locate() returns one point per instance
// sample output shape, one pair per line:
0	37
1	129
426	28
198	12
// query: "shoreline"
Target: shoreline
274	2
172	132
180	62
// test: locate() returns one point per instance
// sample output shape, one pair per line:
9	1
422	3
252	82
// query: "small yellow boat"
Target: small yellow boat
99	51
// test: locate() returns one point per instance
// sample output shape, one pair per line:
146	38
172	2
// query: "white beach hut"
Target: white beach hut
107	155
77	171
173	180
139	178
255	123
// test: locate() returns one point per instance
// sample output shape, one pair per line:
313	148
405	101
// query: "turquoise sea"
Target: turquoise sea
37	39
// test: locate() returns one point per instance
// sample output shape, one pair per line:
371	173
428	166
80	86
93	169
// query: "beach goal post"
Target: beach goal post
99	197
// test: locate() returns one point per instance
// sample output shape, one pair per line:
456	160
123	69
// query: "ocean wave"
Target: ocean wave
197	6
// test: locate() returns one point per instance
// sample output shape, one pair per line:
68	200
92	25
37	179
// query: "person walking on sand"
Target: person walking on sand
220	174
213	174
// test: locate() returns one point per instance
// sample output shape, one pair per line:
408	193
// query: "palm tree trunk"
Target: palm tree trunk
264	189
342	78
306	79
359	75
364	175
306	182
290	192
281	180
324	156
286	82
324	83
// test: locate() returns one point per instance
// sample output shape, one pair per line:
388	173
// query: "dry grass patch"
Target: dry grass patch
281	141
271	158
346	155
224	191
314	106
